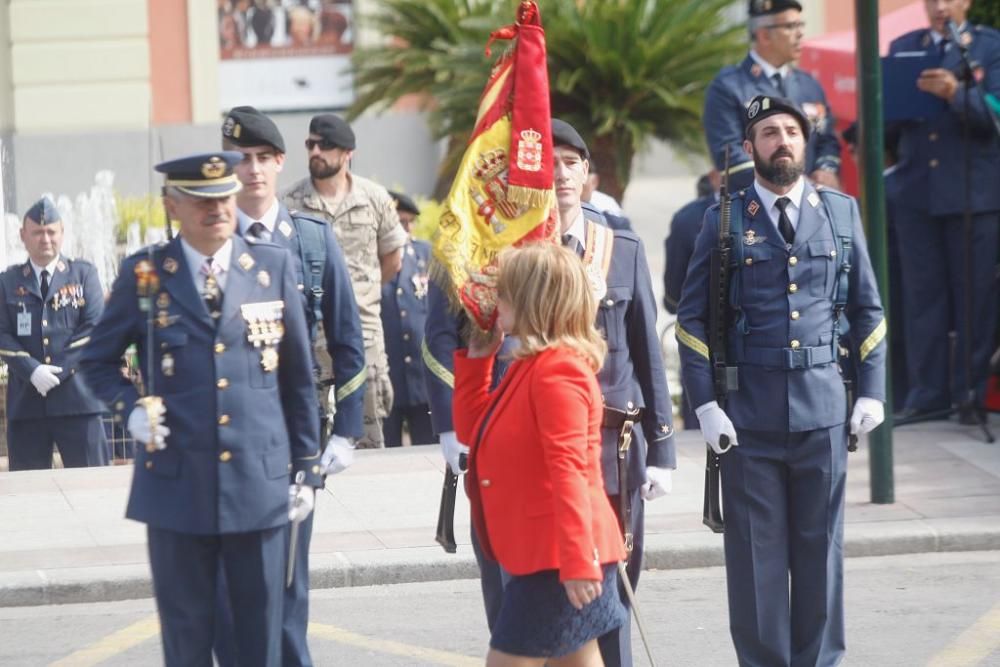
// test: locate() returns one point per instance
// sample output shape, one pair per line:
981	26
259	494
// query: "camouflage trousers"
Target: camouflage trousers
378	398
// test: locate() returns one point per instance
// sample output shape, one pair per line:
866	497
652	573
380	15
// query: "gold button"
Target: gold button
793	288
609	302
795	314
630	405
934	163
223	420
45	341
932	136
792	261
219	348
225	456
795	344
222	383
48	360
406	336
45	323
399	291
402	313
163	346
485	483
833	253
407	359
749	261
316	470
120	405
149	465
301	287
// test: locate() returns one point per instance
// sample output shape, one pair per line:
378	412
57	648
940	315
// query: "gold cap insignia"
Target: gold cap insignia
214	168
246	261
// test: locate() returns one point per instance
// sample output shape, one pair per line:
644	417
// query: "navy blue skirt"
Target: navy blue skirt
536	618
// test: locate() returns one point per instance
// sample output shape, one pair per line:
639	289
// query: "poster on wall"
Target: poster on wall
284	55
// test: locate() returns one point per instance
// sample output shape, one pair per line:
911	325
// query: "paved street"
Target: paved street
941	610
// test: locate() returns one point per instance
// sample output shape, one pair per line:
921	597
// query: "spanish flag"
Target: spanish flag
502	194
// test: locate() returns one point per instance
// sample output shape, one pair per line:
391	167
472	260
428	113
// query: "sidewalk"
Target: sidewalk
63	538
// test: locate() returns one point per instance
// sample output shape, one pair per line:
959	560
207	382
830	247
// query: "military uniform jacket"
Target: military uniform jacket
341	324
632	375
239	426
726	100
931	154
404	314
678	247
788	381
59	329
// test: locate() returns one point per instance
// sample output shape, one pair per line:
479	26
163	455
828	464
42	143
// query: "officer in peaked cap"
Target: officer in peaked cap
335	329
50	306
404	314
234	454
776	30
801	266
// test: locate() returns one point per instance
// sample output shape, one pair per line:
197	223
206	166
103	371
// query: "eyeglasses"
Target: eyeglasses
791	26
324	145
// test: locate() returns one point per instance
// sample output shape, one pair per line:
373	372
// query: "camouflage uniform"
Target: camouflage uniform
367	228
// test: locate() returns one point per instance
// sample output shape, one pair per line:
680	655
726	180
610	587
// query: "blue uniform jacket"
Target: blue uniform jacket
60	328
238	431
404	315
786	298
931	155
341	323
684	228
632	375
727	98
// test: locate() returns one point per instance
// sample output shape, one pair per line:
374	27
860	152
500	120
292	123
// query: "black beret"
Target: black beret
245	126
333	129
564	134
404	203
207	175
43	211
765	7
763	106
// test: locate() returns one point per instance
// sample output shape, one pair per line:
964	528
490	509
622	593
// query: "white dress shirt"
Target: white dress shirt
768	199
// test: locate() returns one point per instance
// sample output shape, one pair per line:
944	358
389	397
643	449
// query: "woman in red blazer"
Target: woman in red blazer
534	479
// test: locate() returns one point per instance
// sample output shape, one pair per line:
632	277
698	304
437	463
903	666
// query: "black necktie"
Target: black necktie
571	242
779	82
212	293
45	284
259	231
784	224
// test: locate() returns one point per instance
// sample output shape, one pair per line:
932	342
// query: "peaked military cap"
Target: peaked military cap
764	106
204	174
765	7
245	126
404	203
334	130
43	212
564	134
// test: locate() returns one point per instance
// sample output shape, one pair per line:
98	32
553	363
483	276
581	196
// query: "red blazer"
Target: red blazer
534	478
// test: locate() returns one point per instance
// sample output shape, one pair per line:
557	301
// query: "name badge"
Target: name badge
24	324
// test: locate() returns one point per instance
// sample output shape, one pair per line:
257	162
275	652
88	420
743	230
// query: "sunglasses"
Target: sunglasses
324	145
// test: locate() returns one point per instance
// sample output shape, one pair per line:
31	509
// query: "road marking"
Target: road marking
974	645
393	648
113	644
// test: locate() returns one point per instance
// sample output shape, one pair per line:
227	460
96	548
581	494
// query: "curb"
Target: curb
664	551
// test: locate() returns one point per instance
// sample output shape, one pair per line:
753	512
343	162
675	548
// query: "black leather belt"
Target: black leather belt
615	419
789	358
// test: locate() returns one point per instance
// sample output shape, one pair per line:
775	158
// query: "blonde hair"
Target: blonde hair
553	305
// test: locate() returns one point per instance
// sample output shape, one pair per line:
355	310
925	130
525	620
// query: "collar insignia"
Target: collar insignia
813	199
752	208
170	265
285	229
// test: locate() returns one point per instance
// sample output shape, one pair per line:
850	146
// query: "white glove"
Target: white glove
659	482
714	424
867	415
138	426
300	502
338	455
452	449
44	378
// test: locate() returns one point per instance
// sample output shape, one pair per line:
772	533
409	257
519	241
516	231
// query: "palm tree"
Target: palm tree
622	71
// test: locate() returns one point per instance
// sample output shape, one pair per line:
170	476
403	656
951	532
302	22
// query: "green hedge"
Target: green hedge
985	12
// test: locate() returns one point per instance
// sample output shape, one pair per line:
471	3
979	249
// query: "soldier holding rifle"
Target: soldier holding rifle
797	261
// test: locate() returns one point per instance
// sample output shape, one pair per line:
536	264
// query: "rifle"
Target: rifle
445	533
724	376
